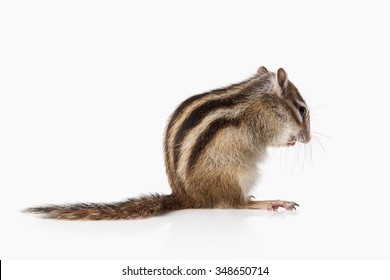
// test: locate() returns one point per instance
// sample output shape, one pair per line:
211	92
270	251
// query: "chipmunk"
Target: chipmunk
212	143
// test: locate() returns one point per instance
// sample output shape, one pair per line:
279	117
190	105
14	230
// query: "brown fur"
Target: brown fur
212	144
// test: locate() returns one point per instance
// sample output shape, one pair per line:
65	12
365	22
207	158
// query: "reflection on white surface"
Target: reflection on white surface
198	234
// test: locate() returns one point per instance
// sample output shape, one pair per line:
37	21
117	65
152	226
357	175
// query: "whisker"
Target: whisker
311	154
321	134
317	140
317	107
297	153
306	155
280	158
285	159
302	147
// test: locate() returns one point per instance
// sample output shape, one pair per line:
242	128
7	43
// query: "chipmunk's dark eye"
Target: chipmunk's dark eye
302	111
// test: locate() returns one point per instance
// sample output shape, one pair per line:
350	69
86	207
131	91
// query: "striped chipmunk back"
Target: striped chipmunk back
212	144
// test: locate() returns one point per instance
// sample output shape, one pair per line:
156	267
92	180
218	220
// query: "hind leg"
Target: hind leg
203	198
272	205
215	194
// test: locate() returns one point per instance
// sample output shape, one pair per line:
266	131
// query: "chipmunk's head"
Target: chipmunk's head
292	109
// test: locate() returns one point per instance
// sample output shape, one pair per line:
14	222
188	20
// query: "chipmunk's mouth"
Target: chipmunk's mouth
291	142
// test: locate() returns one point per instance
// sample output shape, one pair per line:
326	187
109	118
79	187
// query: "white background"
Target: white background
86	88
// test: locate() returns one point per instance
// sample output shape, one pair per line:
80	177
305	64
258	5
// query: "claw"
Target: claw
272	205
288	205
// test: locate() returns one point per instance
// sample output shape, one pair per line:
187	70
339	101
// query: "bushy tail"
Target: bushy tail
133	208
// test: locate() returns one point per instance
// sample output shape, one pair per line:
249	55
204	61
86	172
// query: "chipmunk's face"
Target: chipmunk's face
297	126
300	115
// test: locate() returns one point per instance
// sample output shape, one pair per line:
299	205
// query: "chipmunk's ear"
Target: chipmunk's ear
282	78
262	70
